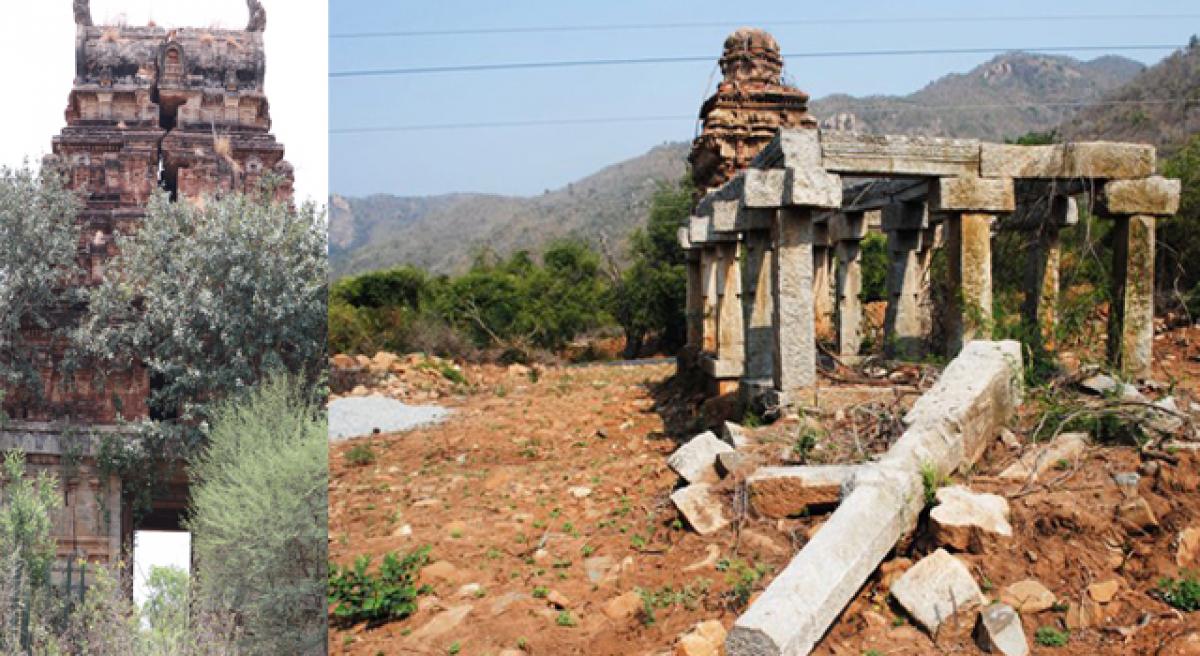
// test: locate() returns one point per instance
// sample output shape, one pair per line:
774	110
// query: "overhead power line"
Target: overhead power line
692	117
709	58
622	27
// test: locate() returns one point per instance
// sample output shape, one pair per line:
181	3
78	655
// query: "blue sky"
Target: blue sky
528	160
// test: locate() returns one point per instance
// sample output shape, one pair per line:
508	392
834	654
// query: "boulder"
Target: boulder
696	460
936	588
964	519
623	607
999	631
703	511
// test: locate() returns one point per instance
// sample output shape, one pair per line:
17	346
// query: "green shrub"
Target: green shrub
391	594
875	266
1048	636
360	455
1182	593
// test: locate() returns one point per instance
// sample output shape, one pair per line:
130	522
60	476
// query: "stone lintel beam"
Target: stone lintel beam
1156	196
880	193
947	428
731	190
764	188
877	154
812	188
779	492
911	215
1131	318
1085	159
791	148
972	194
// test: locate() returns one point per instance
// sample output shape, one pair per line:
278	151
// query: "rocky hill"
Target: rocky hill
1010	95
1126	116
443	233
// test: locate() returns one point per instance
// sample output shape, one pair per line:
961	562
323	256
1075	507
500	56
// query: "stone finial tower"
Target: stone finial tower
182	110
750	104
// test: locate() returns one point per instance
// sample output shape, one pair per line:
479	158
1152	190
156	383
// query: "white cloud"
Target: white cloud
37	44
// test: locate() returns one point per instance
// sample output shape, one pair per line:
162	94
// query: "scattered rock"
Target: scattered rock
1028	596
1188	547
1083	615
710	560
934	589
964	519
999	631
1109	386
558	599
439	572
597	568
442	623
756	541
1128	482
1136	512
624	606
1104	591
705	639
703	511
734	435
469	590
403	531
1067	448
696	460
580	491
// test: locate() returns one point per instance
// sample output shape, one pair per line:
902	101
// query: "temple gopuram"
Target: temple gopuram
181	110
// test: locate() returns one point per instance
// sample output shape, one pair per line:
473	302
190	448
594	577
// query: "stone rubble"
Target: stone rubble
963	520
935	589
696	461
999	631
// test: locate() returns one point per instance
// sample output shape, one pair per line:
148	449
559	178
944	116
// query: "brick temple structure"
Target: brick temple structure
182	110
750	105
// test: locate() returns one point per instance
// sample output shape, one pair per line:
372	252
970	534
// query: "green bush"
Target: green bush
1182	593
874	268
391	594
1048	636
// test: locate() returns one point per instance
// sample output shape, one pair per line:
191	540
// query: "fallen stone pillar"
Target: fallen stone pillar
757	307
948	428
1134	206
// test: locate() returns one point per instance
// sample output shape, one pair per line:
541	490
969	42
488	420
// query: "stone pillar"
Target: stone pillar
795	355
758	306
849	306
708	291
1131	316
823	283
1134	205
969	241
695	300
910	242
730	331
1041	284
970	205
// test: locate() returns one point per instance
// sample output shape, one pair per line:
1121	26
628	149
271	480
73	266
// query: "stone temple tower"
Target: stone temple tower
750	104
182	110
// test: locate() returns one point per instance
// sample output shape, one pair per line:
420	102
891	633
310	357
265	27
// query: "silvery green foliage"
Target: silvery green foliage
38	242
259	519
211	297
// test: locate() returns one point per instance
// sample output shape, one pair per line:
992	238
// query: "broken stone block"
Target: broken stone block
705	639
703	511
964	519
696	460
737	464
999	631
779	492
734	435
967	193
936	588
1067	447
442	623
1028	596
